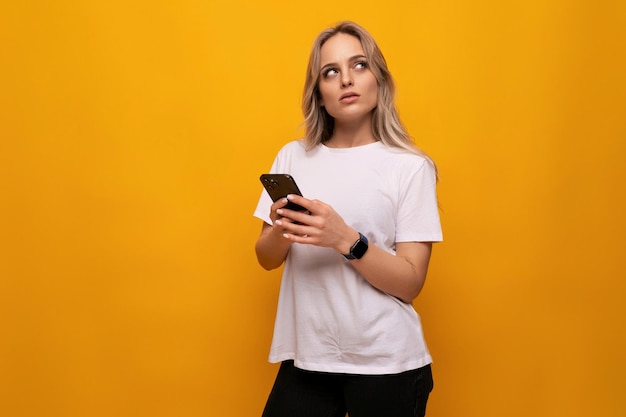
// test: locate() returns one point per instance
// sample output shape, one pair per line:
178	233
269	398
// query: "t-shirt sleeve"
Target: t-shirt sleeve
418	212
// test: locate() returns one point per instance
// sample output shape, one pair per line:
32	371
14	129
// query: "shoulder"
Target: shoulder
404	160
296	150
408	169
295	146
289	154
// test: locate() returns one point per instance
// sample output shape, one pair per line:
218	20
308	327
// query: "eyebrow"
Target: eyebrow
352	59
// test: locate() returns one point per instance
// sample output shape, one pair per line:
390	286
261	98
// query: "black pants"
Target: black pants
299	393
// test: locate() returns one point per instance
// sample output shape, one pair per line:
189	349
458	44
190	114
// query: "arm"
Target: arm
271	247
401	275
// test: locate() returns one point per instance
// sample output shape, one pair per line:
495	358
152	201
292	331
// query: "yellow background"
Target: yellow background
132	137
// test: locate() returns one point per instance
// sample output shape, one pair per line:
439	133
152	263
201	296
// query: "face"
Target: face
348	88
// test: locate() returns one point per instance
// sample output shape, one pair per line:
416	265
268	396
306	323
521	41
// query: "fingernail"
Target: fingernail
279	211
278	222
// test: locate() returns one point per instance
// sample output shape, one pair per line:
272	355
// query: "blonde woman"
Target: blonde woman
346	334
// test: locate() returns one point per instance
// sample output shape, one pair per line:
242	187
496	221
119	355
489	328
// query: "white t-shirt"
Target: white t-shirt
329	318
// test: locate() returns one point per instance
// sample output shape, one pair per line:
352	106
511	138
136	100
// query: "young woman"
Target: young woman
346	333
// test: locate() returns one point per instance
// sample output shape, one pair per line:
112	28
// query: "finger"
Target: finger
293	228
301	201
305	239
302	217
280	203
282	222
296	216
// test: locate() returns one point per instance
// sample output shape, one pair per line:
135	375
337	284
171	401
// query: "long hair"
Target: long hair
386	124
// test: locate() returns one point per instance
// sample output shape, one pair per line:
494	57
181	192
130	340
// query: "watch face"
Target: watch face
360	247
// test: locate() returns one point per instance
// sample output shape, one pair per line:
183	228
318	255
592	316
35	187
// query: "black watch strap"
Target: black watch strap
358	249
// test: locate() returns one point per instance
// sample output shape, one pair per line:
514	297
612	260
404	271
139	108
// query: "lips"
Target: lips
349	97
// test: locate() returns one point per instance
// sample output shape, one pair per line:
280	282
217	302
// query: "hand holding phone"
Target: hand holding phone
279	186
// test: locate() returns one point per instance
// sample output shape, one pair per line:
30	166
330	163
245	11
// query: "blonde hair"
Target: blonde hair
386	124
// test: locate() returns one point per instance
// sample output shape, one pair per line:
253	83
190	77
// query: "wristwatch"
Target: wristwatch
358	249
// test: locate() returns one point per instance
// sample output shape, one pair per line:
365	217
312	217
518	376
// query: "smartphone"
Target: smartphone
279	186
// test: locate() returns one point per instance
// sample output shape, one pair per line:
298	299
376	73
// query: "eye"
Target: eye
330	72
360	65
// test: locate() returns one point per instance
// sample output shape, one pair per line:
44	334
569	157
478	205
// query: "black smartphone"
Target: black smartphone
279	186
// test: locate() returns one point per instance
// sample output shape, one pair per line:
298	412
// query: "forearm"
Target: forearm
401	275
398	275
271	248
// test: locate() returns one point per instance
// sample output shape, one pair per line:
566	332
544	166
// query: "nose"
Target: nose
346	79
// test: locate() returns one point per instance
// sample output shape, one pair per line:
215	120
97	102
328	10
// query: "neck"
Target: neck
349	135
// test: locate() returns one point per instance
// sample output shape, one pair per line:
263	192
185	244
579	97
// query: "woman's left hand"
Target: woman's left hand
321	226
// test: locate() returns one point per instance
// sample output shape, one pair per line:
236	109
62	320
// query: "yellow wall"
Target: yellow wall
132	137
